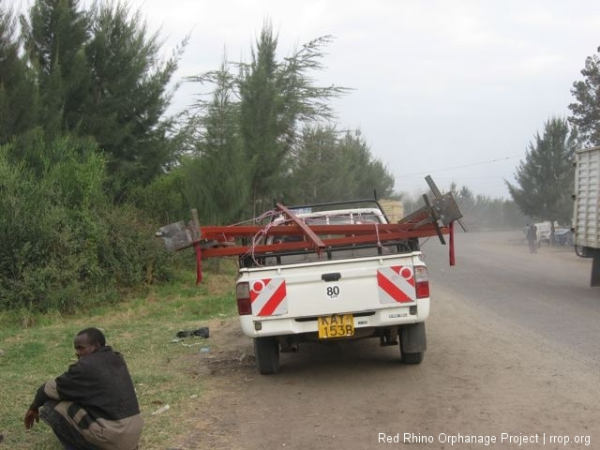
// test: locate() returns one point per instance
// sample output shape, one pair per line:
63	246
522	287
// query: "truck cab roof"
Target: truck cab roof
348	216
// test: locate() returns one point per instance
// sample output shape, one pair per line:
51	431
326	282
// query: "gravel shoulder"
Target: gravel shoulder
482	379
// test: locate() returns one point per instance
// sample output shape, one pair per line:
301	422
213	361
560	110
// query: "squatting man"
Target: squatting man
93	405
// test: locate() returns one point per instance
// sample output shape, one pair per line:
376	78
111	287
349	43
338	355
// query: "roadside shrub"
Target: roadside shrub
63	244
41	251
131	255
163	200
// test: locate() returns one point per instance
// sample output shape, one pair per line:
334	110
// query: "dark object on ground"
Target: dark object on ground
201	332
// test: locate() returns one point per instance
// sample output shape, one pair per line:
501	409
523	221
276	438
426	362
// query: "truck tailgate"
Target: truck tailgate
332	287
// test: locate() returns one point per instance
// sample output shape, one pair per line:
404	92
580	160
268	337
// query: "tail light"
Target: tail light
242	294
421	282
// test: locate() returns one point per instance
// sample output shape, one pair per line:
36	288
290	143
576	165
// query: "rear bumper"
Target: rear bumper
253	326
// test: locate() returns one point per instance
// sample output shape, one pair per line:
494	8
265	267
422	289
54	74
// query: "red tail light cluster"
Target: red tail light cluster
421	281
242	294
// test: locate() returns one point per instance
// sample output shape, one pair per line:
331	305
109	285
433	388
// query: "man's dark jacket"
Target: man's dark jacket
96	396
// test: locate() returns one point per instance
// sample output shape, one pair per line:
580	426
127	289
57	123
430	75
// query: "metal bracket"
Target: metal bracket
435	219
445	205
178	235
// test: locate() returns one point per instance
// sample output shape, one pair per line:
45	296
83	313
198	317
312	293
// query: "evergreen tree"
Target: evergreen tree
545	178
365	173
276	98
464	197
272	100
217	174
100	75
17	89
317	173
129	95
262	121
586	109
55	33
327	168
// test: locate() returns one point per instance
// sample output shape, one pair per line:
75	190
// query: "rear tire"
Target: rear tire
266	352
413	358
413	343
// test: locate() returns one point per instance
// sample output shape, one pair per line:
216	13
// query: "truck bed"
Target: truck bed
378	291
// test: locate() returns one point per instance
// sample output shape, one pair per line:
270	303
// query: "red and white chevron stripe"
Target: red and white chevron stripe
396	284
268	297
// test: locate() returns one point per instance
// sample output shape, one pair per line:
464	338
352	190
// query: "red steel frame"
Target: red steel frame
217	241
433	219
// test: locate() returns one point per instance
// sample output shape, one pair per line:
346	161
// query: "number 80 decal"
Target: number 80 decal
332	291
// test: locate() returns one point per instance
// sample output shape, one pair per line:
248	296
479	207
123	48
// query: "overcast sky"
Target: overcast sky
456	89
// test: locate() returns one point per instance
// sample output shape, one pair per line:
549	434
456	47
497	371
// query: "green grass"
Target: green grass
142	329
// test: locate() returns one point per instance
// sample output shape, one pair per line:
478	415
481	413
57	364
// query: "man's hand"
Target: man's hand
30	416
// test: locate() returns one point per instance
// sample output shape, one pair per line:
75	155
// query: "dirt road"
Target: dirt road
487	381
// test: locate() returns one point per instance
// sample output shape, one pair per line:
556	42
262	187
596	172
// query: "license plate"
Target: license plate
336	326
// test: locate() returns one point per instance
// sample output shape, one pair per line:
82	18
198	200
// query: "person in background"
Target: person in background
93	405
532	238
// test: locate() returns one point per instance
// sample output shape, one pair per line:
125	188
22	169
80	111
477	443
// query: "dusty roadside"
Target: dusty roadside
480	377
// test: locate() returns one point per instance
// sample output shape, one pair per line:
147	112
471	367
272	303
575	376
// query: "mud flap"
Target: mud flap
413	338
595	270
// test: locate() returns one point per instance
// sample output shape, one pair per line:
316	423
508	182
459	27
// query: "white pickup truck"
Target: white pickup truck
328	272
368	291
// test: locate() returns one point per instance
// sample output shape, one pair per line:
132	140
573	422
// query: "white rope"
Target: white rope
262	233
377	231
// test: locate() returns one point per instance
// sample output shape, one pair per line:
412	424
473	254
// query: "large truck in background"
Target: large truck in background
586	215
